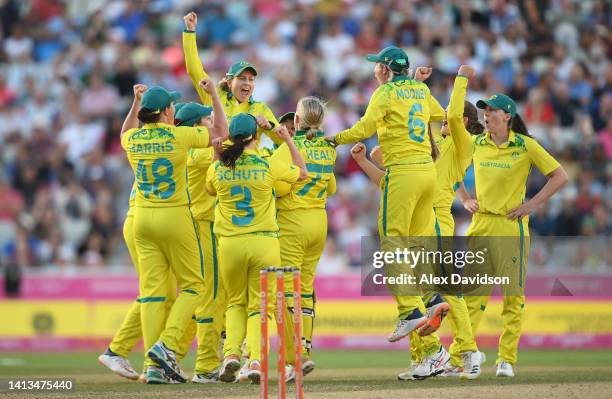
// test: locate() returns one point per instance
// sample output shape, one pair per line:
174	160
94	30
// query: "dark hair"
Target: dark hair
146	115
403	72
473	124
224	85
232	152
517	124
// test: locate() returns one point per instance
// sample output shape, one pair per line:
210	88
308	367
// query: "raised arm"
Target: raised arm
358	152
267	122
459	134
195	70
296	157
220	127
131	120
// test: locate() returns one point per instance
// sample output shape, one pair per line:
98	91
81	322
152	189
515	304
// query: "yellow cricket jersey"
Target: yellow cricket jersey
501	172
132	200
245	195
157	153
202	203
320	159
231	106
399	111
455	150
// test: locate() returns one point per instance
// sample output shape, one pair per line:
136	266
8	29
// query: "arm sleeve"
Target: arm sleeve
331	185
195	70
281	154
269	115
545	162
124	139
366	127
283	171
436	112
461	137
210	180
197	137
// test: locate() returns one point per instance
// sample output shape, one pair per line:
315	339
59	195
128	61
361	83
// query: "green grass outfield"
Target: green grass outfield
339	374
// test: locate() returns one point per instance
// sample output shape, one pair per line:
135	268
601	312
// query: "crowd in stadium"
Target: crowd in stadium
67	69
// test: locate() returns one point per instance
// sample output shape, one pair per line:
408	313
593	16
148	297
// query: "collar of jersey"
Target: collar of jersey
513	139
251	152
320	133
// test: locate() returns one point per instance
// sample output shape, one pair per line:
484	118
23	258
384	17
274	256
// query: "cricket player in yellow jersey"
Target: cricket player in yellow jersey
301	214
399	112
116	355
235	90
245	223
455	145
210	315
503	157
165	232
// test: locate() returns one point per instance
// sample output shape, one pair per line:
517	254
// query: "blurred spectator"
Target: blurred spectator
66	84
99	98
18	46
11	205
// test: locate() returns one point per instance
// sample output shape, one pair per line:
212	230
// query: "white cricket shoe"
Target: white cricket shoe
407	375
432	365
451	371
415	320
243	374
118	365
230	367
206	378
289	372
254	374
504	369
308	367
471	365
483	357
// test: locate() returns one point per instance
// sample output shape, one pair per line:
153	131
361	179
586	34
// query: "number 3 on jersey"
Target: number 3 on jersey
163	185
415	123
243	205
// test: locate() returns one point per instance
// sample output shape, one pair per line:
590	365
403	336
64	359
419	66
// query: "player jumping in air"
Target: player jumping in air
399	111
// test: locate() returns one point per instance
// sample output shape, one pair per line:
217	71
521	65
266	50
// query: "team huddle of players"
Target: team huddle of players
209	209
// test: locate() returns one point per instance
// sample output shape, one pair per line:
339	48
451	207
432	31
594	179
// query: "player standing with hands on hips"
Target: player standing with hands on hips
503	157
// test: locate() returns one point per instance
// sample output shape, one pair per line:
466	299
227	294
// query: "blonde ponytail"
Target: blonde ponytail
311	112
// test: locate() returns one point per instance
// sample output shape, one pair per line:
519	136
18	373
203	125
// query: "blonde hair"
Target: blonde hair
311	111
